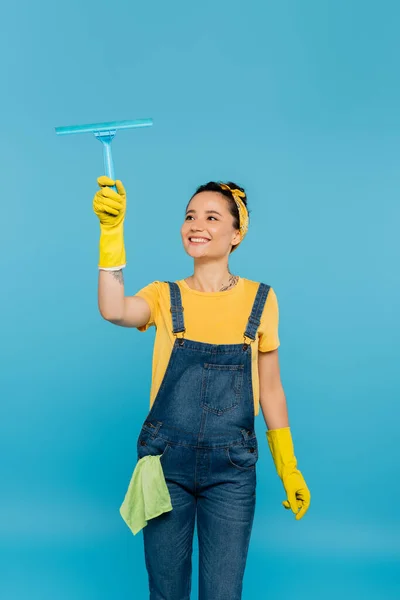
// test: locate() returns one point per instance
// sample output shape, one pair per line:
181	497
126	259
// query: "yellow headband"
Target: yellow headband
243	214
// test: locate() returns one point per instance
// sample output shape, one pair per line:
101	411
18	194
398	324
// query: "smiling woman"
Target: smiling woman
232	211
216	346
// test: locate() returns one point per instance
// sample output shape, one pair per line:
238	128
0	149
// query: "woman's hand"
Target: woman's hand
110	207
282	451
298	494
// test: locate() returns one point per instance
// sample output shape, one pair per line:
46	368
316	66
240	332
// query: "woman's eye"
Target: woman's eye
190	217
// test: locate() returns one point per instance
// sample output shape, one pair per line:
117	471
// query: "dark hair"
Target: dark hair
214	186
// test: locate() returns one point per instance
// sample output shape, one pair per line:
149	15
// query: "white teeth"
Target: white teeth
199	240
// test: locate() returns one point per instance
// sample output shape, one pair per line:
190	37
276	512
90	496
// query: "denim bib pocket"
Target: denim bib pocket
221	387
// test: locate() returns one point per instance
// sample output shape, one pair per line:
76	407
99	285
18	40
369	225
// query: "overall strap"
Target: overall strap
258	306
176	309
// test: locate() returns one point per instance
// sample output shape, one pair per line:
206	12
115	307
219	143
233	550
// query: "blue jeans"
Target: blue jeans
202	425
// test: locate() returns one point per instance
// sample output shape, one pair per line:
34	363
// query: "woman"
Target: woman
215	360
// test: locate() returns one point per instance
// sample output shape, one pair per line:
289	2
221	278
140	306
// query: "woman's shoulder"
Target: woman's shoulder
158	289
253	285
251	288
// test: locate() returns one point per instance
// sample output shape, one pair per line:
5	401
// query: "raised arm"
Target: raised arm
114	306
110	207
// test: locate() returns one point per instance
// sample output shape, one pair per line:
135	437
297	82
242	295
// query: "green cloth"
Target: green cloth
147	496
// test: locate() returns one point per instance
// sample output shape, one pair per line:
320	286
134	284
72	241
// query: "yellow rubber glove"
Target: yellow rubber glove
281	446
110	207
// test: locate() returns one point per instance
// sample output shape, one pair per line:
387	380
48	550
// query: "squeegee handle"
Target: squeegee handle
108	161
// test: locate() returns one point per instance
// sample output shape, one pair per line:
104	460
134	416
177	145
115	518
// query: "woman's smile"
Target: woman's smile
198	240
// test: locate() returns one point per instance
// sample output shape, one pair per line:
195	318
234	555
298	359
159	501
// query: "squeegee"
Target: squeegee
105	133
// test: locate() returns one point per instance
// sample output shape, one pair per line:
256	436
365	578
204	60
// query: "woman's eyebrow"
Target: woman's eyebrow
207	212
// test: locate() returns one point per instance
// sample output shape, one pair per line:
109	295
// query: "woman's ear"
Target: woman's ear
236	238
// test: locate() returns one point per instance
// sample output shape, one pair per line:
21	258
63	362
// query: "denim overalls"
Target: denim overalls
202	425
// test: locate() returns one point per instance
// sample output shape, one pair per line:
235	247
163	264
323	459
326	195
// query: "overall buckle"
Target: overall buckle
246	344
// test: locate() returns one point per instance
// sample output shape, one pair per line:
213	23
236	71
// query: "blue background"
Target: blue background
297	102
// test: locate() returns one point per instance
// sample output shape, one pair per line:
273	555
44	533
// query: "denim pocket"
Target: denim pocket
148	444
221	387
243	456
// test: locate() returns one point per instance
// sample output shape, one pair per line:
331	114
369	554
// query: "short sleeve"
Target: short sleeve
150	293
268	330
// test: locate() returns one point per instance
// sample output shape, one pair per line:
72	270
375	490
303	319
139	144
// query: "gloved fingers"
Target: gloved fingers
302	511
106	184
107	200
287	504
120	187
105	181
106	205
305	503
303	494
301	500
293	502
107	192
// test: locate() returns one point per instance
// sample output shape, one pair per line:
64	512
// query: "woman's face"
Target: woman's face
209	221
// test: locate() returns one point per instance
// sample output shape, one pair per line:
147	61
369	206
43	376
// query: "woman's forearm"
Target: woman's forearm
274	408
111	293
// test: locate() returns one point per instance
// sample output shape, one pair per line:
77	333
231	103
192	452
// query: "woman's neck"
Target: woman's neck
216	283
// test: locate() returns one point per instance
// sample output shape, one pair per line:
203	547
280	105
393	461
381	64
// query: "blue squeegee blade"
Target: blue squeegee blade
98	127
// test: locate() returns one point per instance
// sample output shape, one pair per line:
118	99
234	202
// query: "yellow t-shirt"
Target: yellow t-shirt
210	317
